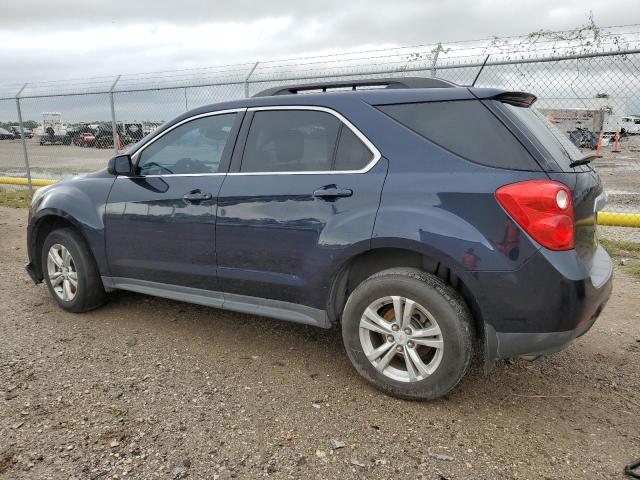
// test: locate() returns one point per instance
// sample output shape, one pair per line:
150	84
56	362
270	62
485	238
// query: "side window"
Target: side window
352	154
195	147
290	141
466	128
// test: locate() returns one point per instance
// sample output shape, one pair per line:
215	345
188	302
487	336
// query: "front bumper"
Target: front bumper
550	302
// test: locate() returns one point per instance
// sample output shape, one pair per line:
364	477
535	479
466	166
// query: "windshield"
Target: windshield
556	142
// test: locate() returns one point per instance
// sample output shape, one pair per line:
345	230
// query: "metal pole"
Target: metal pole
246	80
186	101
114	130
24	140
434	62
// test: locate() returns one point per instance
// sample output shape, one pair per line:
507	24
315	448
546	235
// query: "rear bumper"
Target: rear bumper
546	305
512	344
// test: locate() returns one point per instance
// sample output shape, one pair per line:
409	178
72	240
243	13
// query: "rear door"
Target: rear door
302	194
160	222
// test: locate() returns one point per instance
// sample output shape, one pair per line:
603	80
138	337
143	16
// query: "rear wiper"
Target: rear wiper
582	161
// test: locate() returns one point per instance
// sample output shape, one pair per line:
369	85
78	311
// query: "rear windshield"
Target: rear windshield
466	128
554	141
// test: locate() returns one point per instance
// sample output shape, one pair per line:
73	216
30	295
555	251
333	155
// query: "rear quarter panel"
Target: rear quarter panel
444	206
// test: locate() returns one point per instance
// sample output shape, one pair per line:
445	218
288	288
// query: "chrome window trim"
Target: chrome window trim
136	156
376	155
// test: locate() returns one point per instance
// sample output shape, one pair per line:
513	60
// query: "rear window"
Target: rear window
290	141
560	148
466	128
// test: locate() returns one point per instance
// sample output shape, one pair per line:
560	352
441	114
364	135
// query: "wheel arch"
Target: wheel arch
44	224
364	264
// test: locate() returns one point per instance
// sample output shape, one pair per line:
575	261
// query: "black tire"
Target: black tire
443	302
90	291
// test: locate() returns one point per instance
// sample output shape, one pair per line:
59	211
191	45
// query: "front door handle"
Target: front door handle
197	196
332	192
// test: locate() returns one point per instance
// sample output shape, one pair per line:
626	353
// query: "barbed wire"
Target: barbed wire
458	52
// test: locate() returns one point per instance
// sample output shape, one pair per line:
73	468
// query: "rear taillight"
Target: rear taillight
543	208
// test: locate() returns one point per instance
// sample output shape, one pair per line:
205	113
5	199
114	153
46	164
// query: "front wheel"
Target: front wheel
70	271
408	333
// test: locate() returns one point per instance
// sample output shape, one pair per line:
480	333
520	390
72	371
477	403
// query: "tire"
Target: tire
89	292
445	364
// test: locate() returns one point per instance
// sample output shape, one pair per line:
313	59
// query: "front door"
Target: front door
160	222
305	195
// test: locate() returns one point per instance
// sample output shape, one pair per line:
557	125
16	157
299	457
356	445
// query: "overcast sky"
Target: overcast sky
61	39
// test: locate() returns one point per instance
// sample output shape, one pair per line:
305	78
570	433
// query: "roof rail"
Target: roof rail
400	82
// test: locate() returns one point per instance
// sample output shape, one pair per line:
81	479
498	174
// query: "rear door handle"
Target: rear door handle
195	197
332	192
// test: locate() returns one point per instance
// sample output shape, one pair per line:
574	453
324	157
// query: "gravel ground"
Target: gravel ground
151	388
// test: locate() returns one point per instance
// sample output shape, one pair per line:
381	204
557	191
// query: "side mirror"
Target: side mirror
120	165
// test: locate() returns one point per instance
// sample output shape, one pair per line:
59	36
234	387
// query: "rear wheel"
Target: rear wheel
408	333
70	271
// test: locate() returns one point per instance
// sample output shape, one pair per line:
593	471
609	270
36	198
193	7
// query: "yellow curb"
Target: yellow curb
36	182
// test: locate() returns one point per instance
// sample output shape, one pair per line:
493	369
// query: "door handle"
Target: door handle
195	197
332	192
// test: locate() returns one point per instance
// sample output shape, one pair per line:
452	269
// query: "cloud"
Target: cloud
67	39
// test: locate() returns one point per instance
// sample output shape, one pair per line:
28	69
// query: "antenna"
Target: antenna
480	71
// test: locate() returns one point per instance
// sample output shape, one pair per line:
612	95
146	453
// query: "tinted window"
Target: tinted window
352	154
557	143
466	128
290	141
195	147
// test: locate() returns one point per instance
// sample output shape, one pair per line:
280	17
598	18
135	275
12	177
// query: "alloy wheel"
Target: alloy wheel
62	272
401	339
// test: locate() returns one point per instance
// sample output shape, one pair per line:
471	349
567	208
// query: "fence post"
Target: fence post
246	80
434	62
114	129
24	140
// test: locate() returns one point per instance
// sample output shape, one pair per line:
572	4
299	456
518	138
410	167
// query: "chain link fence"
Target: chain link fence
584	86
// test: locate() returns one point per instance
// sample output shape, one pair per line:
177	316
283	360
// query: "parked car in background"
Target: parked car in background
6	134
363	208
28	133
133	131
72	135
630	125
104	136
86	140
50	137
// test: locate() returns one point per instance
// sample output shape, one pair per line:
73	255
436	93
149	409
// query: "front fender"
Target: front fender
80	202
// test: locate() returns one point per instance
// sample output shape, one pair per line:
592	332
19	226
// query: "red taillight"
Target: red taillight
543	208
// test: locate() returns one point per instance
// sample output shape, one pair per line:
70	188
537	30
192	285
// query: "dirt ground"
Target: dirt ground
152	388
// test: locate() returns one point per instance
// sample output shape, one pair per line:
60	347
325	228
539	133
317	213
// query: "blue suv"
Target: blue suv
432	223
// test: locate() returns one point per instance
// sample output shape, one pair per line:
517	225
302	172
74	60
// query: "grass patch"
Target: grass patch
633	269
15	198
621	248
